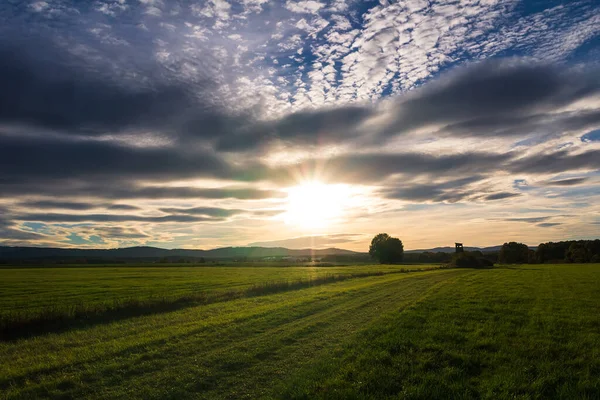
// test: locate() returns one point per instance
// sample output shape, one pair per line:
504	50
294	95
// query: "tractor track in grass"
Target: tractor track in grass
21	325
265	332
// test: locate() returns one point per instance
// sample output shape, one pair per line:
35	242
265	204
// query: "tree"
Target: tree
470	259
514	253
571	251
386	249
577	253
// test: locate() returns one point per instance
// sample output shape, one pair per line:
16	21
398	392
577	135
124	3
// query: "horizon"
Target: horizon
268	247
221	123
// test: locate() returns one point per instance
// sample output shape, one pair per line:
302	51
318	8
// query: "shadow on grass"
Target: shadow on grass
22	325
516	267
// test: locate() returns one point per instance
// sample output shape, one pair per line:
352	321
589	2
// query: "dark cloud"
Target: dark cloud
10	232
119	189
301	128
191	193
450	191
530	220
68	205
46	159
491	98
47	87
376	167
118	232
219	212
542	125
565	182
501	195
206	211
557	162
549	224
479	98
40	89
57	217
123	207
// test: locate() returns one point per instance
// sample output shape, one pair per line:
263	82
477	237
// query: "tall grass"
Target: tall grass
57	318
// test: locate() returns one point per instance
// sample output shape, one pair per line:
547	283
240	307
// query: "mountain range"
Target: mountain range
154	253
16	253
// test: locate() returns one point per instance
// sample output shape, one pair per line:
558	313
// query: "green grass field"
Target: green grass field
33	289
508	332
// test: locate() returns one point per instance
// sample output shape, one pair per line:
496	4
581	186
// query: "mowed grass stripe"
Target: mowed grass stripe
125	337
61	316
529	332
31	290
161	348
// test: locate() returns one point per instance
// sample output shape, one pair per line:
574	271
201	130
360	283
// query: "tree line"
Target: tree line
570	251
389	250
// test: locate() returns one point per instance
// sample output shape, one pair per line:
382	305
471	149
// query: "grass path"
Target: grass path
528	332
524	333
242	348
30	290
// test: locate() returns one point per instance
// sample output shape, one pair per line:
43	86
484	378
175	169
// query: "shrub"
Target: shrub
514	253
470	260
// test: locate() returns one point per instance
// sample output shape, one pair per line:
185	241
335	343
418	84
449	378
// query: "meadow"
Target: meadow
305	332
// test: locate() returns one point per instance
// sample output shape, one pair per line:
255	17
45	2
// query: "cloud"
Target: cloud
121	189
123	207
39	6
501	195
68	205
557	162
372	168
114	232
530	220
549	224
492	96
315	127
312	242
74	205
46	159
10	233
57	217
304	6
508	98
125	110
565	182
445	191
205	211
49	96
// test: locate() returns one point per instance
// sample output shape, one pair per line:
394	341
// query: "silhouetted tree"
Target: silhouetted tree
470	259
386	249
577	251
514	253
531	257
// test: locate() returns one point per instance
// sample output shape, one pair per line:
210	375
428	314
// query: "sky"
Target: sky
311	123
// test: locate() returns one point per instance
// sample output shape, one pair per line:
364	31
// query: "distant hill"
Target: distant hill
150	253
449	249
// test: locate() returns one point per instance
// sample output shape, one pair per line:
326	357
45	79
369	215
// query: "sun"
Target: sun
313	204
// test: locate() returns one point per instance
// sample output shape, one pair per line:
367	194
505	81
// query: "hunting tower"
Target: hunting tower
459	247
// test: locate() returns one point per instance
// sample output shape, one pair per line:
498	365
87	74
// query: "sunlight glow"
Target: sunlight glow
313	204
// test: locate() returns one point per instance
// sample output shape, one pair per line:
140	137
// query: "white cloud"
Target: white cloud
39	6
304	7
253	6
154	11
112	8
